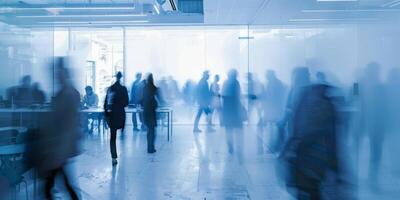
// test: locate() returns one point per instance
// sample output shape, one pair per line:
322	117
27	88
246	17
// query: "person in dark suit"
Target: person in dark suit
150	104
136	99
232	108
114	106
310	154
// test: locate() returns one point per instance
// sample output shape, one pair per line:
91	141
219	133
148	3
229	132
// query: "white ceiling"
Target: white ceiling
252	12
277	12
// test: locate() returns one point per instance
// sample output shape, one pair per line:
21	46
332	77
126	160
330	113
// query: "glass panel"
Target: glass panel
25	73
99	54
179	55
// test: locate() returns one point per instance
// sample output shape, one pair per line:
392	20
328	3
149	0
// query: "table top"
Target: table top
17	128
88	110
12	149
128	110
24	110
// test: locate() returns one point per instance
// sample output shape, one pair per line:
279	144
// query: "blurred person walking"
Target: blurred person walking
273	102
114	107
60	136
188	92
136	99
216	98
150	104
203	97
393	114
273	99
374	111
254	91
233	112
300	81
310	153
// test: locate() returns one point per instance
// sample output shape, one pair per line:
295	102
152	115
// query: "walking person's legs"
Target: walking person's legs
150	139
113	146
376	144
49	183
229	139
143	127
209	115
134	121
67	182
196	121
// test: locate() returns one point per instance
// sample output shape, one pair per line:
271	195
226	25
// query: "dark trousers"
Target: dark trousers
309	190
113	145
135	119
206	110
151	136
50	183
376	145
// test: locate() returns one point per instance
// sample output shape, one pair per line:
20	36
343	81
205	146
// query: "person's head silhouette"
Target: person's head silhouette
89	90
150	79
372	71
26	81
300	77
216	78
118	76
138	76
206	75
232	74
270	75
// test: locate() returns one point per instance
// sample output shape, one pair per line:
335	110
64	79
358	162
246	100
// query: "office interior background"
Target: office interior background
178	40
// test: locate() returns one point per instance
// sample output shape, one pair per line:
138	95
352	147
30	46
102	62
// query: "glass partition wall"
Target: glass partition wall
178	55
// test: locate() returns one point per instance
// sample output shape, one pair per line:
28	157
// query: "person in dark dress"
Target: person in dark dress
232	109
150	104
114	106
233	112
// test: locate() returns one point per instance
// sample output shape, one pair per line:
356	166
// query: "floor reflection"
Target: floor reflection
190	166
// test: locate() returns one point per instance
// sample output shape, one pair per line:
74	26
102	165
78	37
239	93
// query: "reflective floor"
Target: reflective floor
191	166
194	166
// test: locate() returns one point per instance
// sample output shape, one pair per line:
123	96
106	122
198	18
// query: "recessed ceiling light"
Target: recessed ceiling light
95	22
355	10
79	16
332	20
337	0
71	8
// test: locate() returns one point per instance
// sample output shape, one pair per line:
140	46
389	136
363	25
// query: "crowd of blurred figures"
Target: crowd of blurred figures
316	128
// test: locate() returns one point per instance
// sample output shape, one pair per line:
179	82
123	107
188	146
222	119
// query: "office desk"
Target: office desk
12	149
162	110
23	111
